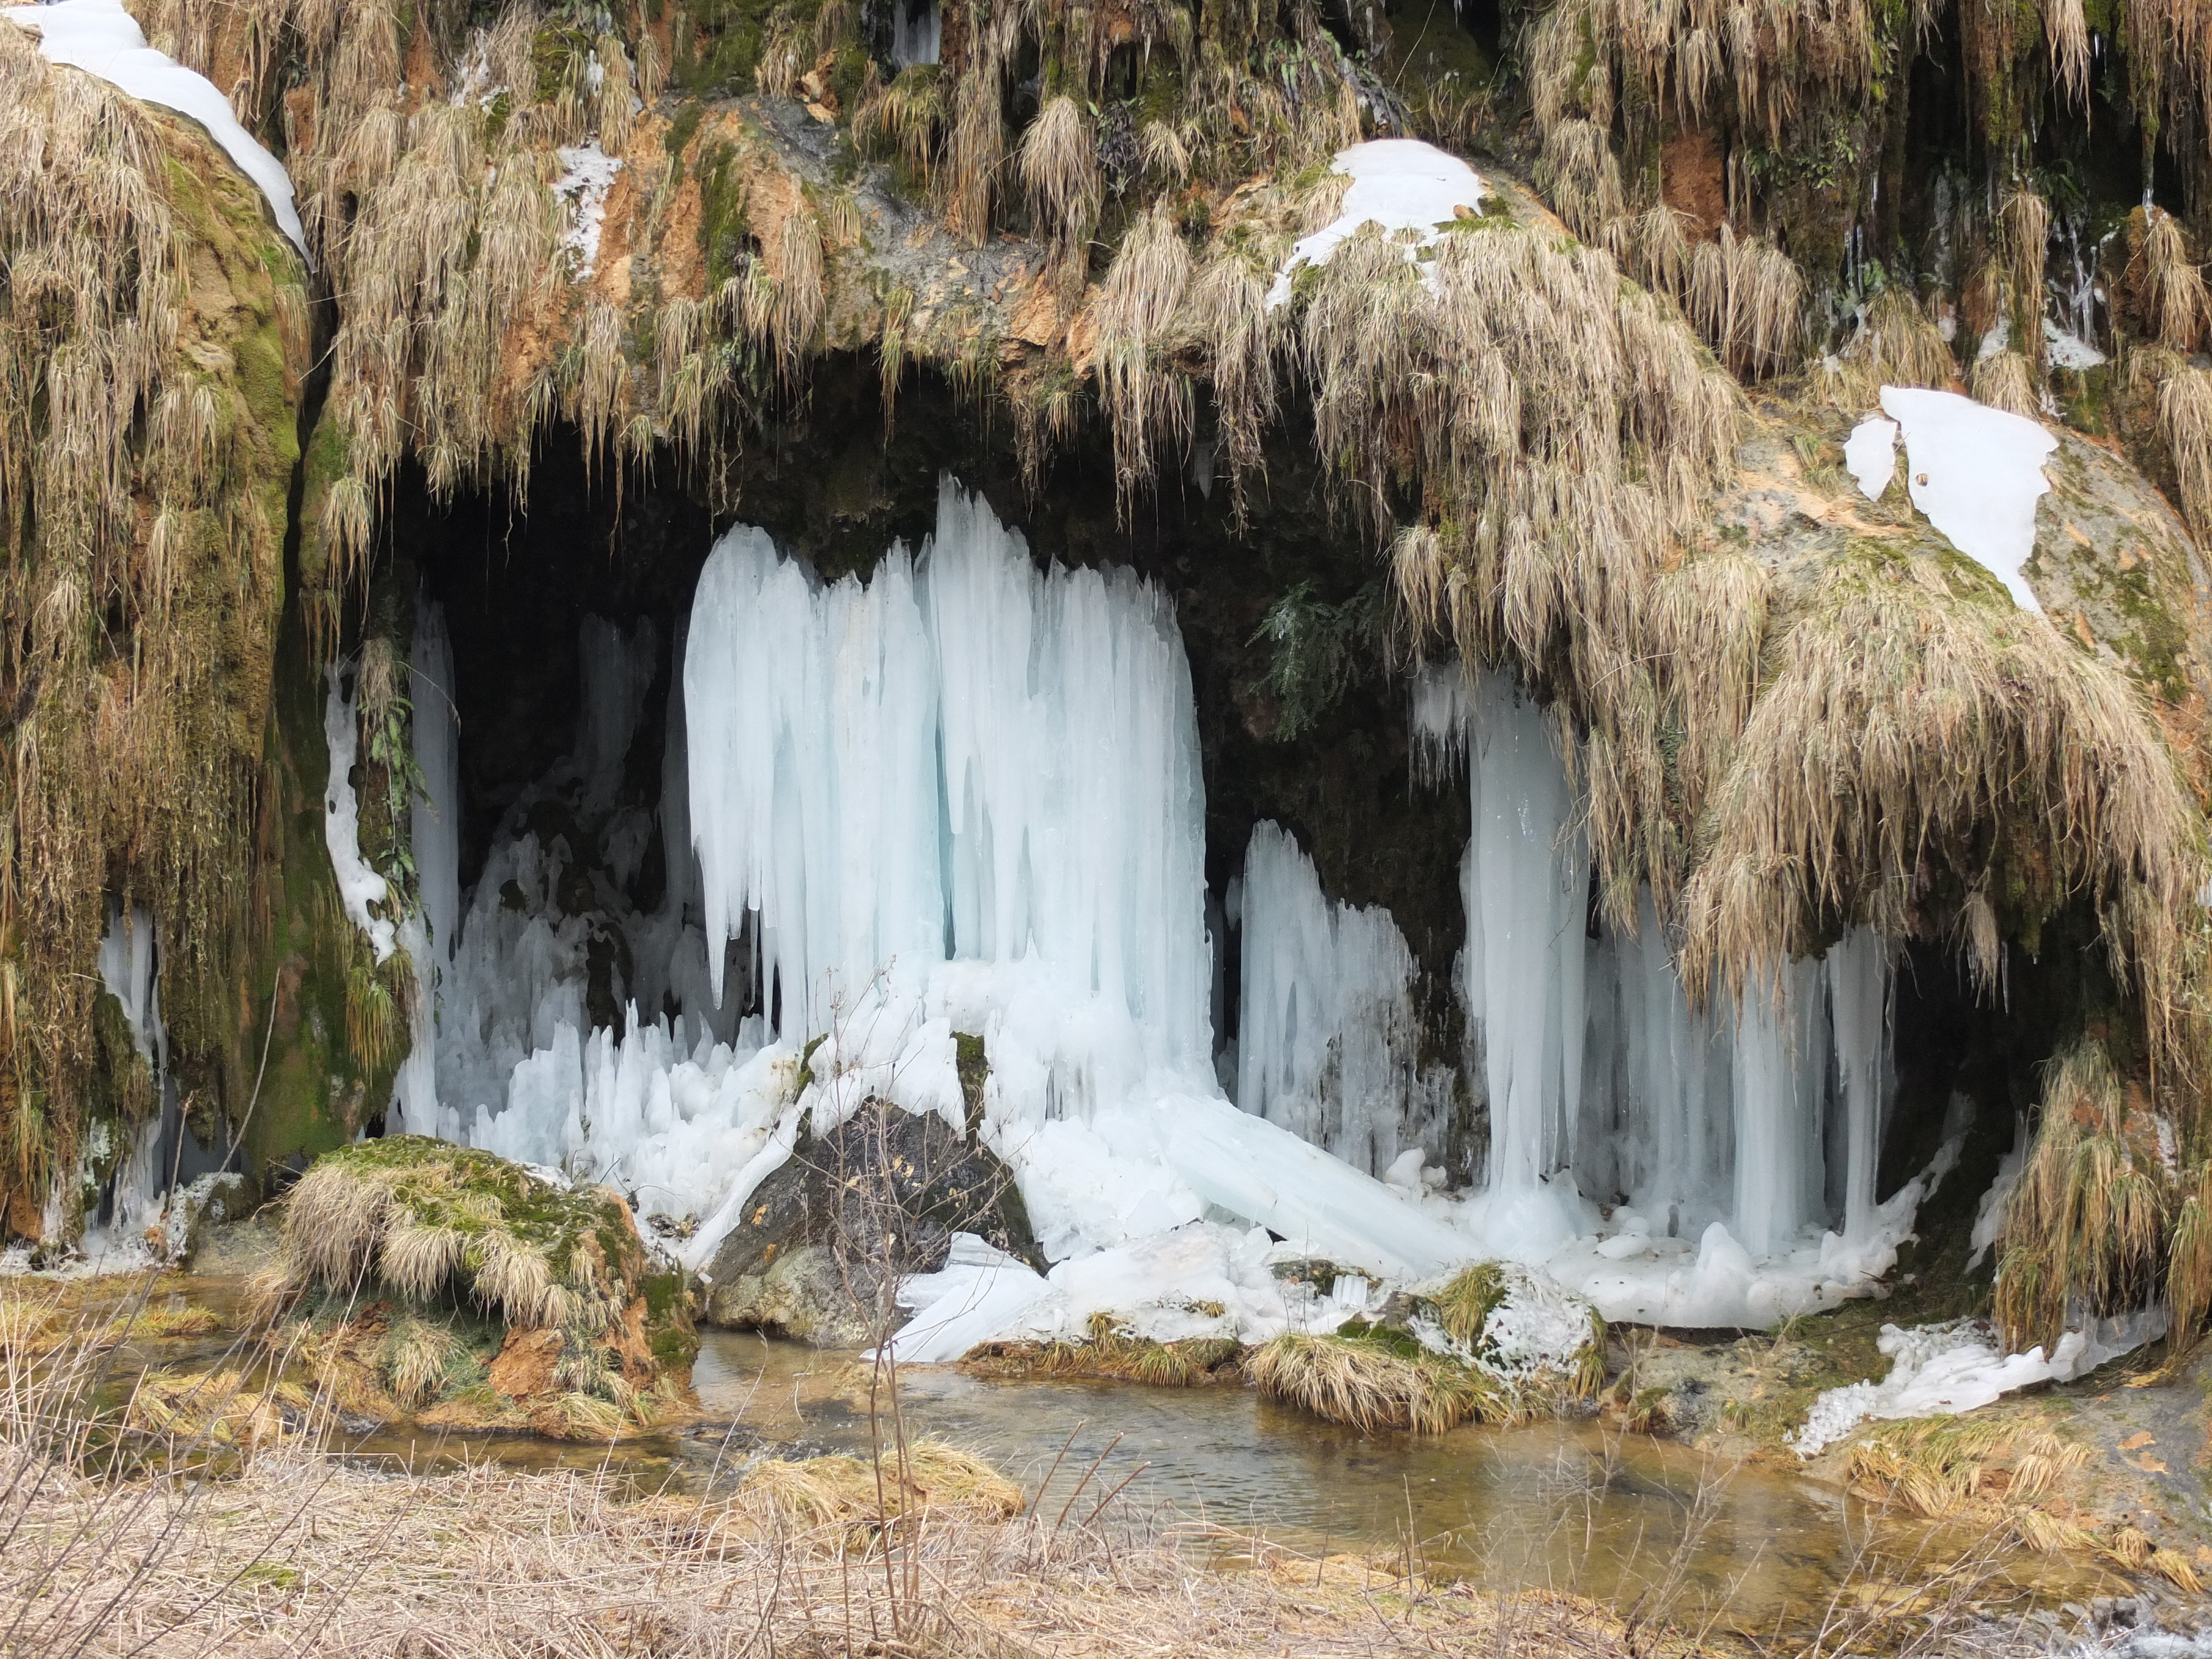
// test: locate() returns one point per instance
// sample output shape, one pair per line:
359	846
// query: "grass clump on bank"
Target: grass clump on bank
1113	1352
1493	1345
1372	1379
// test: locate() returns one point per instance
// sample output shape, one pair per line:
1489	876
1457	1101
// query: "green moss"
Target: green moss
681	131
725	234
975	1068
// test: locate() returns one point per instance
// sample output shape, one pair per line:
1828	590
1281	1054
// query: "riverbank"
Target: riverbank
305	1554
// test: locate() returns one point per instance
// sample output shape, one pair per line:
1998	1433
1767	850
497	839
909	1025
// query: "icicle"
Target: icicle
1327	1044
359	886
1858	993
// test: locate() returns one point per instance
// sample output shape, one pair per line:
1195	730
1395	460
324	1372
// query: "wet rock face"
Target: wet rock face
877	1198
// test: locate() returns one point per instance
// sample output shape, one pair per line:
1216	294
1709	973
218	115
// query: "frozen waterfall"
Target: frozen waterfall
964	795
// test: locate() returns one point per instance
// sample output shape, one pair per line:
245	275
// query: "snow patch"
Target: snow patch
1870	454
1941	1370
1400	184
589	173
1977	472
101	39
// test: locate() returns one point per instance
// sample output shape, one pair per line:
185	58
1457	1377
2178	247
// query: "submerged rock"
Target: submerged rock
880	1195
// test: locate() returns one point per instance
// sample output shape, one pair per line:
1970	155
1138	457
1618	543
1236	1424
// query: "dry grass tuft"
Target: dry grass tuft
1147	400
2006	379
428	1220
1058	168
1371	1385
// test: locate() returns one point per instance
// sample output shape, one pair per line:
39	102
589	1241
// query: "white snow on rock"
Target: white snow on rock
1870	454
359	886
2063	349
101	39
1941	1370
588	174
1400	184
1976	471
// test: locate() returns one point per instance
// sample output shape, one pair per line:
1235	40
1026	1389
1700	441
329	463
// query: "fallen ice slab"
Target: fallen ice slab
1941	1370
1268	1175
1399	183
101	39
1976	471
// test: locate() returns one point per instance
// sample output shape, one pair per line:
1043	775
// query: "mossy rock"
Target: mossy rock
450	1283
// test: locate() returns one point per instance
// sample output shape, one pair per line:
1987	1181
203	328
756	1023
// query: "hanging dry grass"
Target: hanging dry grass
2184	422
2168	285
1058	168
1147	400
2006	379
1908	710
2087	1228
148	387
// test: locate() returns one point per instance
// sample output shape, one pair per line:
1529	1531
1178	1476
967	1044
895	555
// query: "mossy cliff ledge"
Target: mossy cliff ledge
427	1280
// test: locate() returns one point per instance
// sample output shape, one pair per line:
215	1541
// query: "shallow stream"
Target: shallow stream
1564	1505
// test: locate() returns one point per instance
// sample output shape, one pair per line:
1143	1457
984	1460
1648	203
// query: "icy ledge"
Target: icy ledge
101	39
1943	1369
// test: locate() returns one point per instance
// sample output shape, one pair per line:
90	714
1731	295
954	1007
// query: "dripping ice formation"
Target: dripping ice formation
1709	1128
1328	1045
964	795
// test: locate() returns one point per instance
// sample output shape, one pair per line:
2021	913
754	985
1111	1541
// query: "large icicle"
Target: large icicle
1327	1045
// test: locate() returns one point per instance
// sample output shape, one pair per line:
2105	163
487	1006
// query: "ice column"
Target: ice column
1781	1073
1327	1042
1073	801
966	774
1859	995
811	724
1670	1126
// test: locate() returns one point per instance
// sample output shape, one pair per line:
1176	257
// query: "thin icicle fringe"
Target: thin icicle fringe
1902	717
137	483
